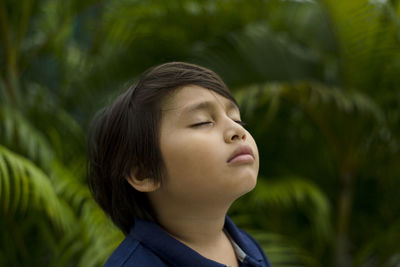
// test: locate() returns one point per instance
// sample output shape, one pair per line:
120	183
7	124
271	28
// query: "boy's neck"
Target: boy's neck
195	231
197	226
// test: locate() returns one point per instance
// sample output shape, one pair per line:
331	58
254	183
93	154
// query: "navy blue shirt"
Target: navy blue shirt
148	245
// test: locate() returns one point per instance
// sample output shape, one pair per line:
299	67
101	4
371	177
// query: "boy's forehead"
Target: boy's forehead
193	97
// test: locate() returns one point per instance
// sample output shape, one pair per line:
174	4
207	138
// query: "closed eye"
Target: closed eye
201	123
242	123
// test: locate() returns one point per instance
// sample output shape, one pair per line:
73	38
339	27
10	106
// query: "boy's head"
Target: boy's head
145	138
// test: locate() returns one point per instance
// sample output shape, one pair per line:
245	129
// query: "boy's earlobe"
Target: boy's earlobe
142	184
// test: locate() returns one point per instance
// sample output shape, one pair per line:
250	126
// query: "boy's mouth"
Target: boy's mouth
243	151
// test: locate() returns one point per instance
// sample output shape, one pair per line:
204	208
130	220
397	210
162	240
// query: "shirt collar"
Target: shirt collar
152	236
242	240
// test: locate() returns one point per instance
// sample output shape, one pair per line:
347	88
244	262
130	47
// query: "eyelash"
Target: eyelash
241	123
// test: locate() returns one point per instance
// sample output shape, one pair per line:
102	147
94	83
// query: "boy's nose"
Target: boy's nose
234	134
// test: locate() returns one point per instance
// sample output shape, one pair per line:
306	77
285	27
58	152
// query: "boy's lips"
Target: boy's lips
244	151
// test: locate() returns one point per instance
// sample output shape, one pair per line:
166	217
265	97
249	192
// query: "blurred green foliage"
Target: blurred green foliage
318	83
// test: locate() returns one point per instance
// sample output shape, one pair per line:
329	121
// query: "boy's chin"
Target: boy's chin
246	187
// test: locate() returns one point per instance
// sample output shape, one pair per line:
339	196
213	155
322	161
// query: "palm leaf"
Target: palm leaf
310	95
17	132
257	54
367	38
95	237
23	185
281	253
293	192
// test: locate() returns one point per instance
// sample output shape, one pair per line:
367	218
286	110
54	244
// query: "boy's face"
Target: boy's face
196	145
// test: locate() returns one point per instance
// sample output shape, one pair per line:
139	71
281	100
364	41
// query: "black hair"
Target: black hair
125	135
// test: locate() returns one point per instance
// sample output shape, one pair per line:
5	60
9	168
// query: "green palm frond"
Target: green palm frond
23	185
104	238
17	132
310	95
367	34
341	115
295	192
98	237
245	57
281	253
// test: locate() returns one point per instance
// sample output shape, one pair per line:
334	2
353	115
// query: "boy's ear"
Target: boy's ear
146	184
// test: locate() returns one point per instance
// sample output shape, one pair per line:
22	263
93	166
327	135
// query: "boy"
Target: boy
166	161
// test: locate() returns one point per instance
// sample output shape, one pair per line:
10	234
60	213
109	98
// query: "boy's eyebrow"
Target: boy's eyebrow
206	105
